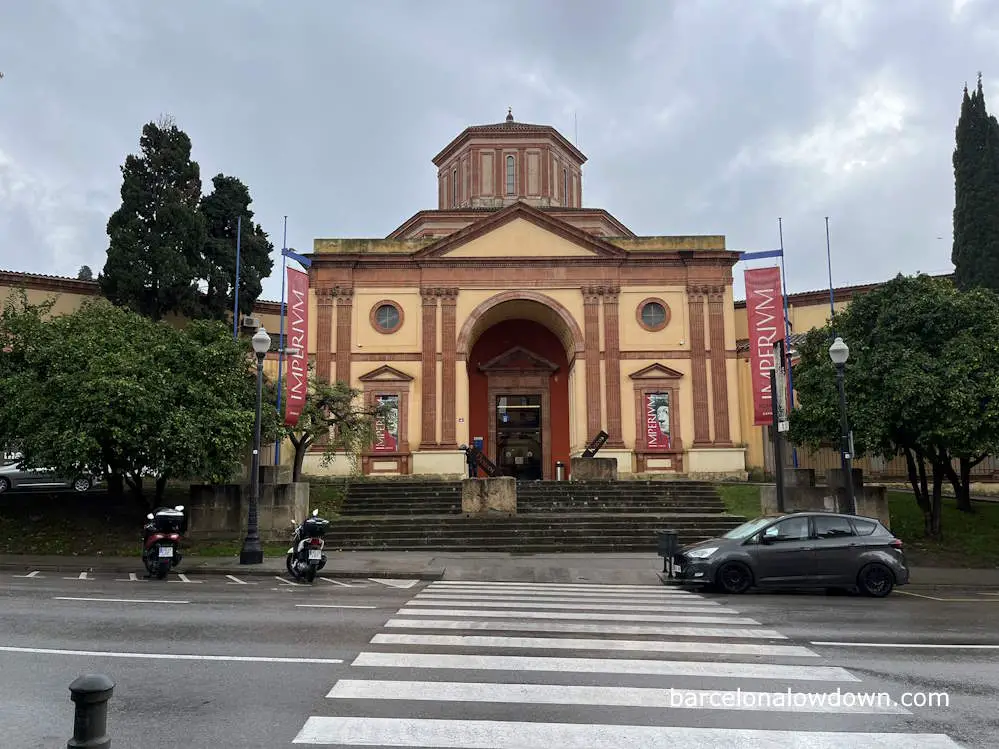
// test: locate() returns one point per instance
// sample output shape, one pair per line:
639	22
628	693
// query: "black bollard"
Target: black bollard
91	693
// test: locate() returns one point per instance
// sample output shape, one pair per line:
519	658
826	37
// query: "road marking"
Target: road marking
237	581
586	627
949	600
168	656
330	606
394	583
450	734
692	609
81	576
132	578
185	579
905	645
337	582
583	593
559	586
521	663
559	643
288	582
552	694
35	573
588	616
115	600
555	597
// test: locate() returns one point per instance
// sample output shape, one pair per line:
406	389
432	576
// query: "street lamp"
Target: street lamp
839	352
252	552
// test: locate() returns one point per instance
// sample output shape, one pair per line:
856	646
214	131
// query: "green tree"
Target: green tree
229	200
158	234
922	381
975	251
85	274
332	416
107	391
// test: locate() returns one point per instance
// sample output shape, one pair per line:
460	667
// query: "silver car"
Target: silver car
14	476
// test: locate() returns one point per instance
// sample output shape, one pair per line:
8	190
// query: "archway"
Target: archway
520	354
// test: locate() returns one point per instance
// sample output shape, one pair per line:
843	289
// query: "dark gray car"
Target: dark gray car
802	549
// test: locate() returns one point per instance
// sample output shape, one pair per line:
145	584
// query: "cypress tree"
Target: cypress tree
975	252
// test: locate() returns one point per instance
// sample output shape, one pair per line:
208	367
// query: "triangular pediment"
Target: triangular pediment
385	373
518	359
656	371
519	231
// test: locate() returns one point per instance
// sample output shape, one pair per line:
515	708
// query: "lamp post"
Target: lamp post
839	352
252	552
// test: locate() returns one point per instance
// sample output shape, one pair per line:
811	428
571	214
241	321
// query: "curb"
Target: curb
256	571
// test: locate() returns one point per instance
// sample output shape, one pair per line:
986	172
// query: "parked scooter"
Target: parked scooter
305	557
161	540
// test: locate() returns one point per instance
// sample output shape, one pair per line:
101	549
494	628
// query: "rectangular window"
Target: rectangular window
511	174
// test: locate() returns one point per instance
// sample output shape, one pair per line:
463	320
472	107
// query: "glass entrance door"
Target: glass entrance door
518	436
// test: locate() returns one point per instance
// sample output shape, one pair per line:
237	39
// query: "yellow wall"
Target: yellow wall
367	339
520	238
63	302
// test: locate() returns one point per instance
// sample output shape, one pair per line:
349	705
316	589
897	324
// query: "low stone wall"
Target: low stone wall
802	495
592	469
489	495
219	511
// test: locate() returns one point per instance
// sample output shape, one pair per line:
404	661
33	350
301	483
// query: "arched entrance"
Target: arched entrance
519	352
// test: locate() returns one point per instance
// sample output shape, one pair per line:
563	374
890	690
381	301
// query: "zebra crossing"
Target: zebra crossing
503	665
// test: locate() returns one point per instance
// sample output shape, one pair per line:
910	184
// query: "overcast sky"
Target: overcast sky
697	117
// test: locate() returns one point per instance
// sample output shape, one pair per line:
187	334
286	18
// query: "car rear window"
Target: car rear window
864	527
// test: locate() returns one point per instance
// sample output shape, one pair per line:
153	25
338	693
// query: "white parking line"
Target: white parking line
168	656
288	582
81	576
185	579
132	578
237	581
337	582
30	574
114	600
394	583
330	606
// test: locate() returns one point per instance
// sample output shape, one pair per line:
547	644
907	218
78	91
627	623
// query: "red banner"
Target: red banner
387	425
657	426
297	323
765	313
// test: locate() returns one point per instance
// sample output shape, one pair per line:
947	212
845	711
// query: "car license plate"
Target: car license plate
166	551
315	554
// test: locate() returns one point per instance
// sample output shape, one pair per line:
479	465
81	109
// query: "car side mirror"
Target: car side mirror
766	540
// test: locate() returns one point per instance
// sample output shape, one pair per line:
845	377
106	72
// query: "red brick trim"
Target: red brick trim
699	369
641	307
466	337
449	394
373	316
428	375
324	333
657	379
344	313
388	381
612	367
591	322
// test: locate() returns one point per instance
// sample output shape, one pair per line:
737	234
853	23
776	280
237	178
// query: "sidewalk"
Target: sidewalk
608	569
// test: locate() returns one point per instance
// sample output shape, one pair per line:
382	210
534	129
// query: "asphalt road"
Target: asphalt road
215	662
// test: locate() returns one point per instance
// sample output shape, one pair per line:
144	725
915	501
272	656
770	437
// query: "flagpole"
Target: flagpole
832	308
787	335
235	304
284	263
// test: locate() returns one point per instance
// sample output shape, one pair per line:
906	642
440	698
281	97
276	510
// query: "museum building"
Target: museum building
513	317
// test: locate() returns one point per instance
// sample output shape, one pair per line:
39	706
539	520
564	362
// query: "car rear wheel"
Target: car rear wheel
734	577
81	485
4	484
876	580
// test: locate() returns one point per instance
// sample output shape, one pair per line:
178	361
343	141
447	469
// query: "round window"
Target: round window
387	317
653	315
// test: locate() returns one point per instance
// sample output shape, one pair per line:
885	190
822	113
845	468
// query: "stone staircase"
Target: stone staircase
597	516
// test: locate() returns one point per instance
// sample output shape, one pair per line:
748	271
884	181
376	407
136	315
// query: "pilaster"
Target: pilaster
719	369
428	376
699	367
591	344
344	314
612	366
449	395
324	332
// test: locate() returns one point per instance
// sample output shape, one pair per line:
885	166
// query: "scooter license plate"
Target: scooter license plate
166	551
315	554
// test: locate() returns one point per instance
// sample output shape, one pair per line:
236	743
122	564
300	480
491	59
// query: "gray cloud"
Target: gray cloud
698	117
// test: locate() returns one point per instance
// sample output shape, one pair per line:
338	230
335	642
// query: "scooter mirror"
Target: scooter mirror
149	516
315	513
179	508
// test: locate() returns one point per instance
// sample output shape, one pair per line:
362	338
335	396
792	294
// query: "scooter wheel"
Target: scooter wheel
290	564
310	574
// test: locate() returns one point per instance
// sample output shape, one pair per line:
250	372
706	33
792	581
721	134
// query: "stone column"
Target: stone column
591	334
719	368
428	376
324	333
344	314
612	364
449	299
698	363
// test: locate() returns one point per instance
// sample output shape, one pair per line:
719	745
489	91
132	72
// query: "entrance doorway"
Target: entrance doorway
519	443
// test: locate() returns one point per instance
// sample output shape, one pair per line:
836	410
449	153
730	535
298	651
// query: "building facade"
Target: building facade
513	316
